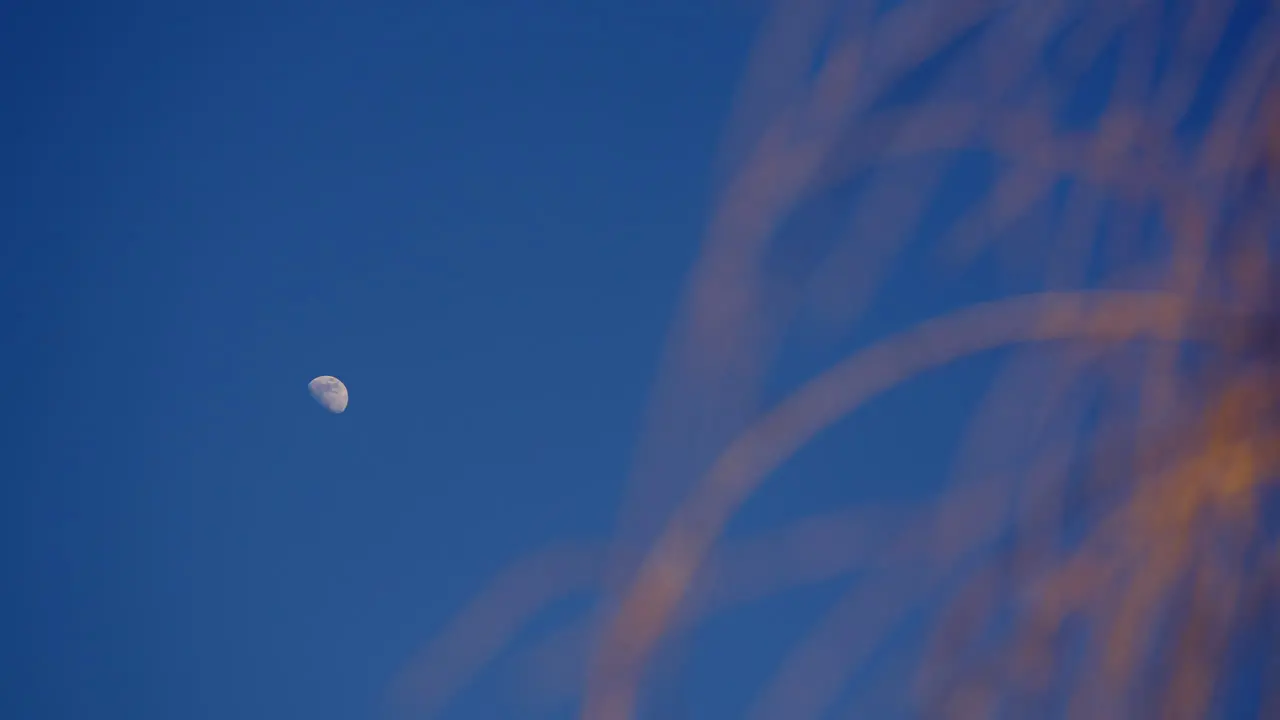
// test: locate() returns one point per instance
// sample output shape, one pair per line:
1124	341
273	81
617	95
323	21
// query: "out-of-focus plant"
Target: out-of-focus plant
1107	547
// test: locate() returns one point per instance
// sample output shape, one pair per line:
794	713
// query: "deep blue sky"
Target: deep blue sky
479	215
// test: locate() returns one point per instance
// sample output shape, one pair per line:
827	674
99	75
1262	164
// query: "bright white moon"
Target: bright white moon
329	392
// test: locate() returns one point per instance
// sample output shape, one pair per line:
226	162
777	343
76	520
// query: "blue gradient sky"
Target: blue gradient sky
477	214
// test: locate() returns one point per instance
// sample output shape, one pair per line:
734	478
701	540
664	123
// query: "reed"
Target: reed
1109	550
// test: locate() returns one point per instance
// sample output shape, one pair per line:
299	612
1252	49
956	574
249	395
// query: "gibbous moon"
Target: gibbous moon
329	392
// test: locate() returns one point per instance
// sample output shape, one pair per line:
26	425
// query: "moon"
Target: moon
329	392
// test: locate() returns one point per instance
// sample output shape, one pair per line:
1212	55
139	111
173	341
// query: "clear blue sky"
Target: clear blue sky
477	214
